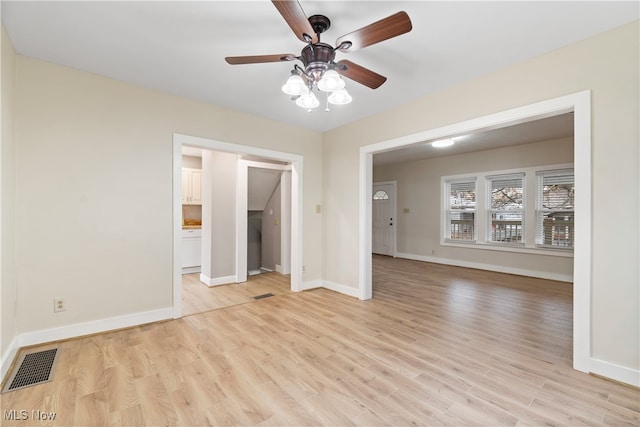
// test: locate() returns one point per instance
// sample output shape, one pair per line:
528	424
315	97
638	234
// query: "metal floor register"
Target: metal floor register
34	368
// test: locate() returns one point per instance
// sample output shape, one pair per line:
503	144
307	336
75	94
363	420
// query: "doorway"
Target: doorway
294	241
268	216
279	216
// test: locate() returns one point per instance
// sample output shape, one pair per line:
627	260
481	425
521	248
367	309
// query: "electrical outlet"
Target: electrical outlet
59	304
304	268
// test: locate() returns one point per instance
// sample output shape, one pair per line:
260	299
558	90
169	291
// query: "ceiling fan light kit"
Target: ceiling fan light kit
340	97
307	100
321	73
294	86
331	81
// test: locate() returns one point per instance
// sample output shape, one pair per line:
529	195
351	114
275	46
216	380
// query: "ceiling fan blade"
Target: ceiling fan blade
292	12
360	74
381	30
235	60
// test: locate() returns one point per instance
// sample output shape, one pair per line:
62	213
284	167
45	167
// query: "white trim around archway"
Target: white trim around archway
580	104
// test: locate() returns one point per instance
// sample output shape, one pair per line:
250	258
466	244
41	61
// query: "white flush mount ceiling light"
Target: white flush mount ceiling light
442	143
320	71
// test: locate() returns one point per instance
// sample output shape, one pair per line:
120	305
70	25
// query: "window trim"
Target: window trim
481	220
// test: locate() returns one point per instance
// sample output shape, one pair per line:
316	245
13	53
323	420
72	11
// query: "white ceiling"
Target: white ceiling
546	129
179	47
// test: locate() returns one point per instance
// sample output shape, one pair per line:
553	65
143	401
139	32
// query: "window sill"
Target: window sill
567	253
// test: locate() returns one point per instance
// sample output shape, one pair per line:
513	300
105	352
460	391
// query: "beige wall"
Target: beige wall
419	189
608	66
7	197
94	190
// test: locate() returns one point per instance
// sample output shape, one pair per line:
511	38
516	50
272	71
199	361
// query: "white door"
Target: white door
383	212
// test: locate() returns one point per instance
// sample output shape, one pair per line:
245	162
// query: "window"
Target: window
506	208
460	223
555	208
380	195
527	210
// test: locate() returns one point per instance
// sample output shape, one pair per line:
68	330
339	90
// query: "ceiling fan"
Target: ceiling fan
320	71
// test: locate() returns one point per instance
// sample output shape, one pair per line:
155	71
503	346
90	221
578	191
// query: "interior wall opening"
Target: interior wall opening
579	105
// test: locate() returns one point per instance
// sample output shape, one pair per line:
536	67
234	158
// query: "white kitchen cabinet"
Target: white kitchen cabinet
191	250
191	186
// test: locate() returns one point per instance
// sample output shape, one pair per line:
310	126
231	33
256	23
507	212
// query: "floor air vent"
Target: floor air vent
34	368
263	296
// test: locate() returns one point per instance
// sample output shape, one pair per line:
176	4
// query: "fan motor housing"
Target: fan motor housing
317	57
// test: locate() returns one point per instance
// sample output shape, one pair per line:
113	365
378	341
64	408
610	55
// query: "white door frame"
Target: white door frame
394	212
295	162
580	104
242	187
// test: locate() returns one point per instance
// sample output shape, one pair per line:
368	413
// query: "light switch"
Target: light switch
318	209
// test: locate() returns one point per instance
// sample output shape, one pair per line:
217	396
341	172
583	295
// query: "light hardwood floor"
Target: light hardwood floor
436	345
198	297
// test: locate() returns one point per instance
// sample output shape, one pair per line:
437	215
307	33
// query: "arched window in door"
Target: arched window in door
380	195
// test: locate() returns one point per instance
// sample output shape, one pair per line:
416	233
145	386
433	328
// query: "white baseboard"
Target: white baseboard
311	284
489	267
278	268
81	329
94	326
217	281
8	356
332	286
615	372
189	270
337	287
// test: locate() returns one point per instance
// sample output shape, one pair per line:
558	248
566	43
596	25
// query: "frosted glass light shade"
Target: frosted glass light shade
331	81
294	85
307	100
340	97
